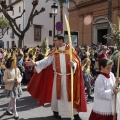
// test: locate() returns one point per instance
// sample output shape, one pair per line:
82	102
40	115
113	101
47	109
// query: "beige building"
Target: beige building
42	24
97	11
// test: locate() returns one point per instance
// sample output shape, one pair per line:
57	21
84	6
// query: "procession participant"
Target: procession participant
103	54
87	76
53	84
12	78
105	90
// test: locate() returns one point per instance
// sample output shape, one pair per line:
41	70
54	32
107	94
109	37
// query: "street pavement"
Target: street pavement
28	108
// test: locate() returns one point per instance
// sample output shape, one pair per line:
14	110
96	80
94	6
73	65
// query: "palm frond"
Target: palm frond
114	35
30	50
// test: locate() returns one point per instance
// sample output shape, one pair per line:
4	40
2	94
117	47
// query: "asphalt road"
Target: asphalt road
28	108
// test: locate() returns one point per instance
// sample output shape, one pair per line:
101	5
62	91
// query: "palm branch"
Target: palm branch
114	35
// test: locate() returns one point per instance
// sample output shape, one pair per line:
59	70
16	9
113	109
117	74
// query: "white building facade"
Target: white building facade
41	28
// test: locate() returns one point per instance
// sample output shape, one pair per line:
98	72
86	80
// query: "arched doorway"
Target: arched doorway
100	28
100	34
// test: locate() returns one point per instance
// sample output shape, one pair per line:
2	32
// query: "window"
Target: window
13	43
50	33
7	44
1	44
50	15
37	32
19	9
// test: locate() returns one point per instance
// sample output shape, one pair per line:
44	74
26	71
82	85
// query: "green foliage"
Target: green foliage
4	23
44	46
114	35
114	56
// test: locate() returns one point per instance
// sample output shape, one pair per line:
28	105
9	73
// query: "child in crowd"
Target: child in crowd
87	76
12	79
105	91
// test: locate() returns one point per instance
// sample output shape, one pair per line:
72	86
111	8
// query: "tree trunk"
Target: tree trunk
20	43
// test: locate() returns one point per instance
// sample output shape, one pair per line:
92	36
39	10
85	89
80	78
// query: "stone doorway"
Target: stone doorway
100	28
100	34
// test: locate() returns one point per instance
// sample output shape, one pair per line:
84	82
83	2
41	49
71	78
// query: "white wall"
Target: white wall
41	19
19	21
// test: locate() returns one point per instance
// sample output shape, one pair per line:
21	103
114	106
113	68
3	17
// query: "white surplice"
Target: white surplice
62	106
104	97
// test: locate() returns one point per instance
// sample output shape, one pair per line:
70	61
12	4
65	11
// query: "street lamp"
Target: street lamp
54	9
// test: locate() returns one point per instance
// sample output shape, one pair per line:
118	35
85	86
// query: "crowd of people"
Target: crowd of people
89	53
89	61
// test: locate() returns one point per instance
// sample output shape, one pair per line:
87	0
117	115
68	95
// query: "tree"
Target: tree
61	2
4	26
12	21
44	46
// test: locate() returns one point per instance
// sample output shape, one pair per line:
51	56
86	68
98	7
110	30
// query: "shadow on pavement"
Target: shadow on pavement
44	118
26	103
4	114
1	96
8	118
23	104
47	105
24	89
90	101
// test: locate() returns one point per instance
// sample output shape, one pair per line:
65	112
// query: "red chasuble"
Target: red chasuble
40	85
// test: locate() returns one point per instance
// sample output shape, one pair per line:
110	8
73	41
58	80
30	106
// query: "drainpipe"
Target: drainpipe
23	21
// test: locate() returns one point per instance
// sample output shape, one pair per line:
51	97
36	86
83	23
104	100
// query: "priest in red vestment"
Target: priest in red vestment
52	83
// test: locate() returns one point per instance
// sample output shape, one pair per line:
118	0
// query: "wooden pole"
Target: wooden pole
118	67
115	100
14	56
70	50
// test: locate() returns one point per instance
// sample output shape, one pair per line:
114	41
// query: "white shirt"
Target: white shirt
104	99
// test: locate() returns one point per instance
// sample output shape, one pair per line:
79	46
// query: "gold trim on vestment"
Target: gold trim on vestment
77	75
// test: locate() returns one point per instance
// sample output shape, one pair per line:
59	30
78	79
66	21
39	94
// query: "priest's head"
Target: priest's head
59	40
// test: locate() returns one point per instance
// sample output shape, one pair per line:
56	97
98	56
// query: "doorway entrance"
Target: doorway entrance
1	44
100	34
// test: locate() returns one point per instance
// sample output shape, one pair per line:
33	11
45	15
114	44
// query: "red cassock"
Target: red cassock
95	116
40	87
